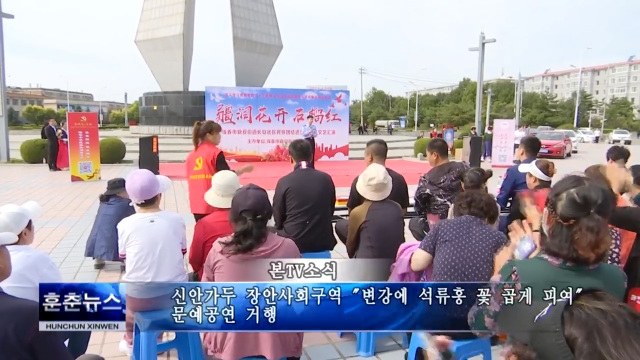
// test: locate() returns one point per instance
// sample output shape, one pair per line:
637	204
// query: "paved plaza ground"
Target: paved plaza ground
70	208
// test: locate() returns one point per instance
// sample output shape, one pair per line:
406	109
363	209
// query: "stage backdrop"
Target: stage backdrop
259	123
84	146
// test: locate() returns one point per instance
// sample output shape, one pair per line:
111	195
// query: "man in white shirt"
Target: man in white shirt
596	135
152	243
31	266
520	133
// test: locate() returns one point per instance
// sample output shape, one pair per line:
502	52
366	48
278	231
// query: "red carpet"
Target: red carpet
266	174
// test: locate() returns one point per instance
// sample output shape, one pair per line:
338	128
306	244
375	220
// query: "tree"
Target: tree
61	114
33	114
116	117
619	114
13	116
458	107
133	113
77	108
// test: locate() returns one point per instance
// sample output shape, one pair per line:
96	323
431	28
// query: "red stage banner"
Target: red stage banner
84	146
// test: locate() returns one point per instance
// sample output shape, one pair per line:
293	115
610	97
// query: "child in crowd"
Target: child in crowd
152	243
115	205
31	266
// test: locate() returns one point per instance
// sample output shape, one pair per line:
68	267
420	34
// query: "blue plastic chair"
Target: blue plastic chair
317	255
366	342
145	342
461	349
502	222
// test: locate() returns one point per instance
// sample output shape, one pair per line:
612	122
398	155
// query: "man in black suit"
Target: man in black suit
43	136
52	145
304	202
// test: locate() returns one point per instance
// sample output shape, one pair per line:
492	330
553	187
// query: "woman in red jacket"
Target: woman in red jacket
203	162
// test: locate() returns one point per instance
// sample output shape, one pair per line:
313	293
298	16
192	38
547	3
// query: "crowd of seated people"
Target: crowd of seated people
566	235
567	226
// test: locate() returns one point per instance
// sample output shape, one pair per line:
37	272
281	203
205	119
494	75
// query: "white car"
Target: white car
574	140
586	136
620	136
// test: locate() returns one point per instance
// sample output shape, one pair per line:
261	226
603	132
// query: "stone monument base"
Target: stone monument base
169	112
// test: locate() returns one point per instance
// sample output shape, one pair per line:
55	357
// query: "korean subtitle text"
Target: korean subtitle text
75	302
283	270
370	295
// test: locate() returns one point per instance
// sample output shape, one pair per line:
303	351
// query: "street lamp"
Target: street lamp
415	120
576	115
100	107
482	41
4	121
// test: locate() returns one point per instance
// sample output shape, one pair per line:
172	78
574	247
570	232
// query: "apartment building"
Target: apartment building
449	88
603	82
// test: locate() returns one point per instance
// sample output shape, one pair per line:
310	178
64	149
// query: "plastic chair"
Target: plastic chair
502	222
317	255
366	342
145	342
461	349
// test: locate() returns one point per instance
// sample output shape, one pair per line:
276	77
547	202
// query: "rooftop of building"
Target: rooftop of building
20	88
548	72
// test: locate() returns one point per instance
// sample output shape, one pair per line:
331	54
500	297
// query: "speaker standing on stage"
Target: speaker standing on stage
203	162
309	133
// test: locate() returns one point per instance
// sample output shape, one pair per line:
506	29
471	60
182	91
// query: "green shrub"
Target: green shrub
33	151
566	127
112	150
420	146
457	144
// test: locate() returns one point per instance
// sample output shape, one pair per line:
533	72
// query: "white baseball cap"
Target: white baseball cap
224	185
14	219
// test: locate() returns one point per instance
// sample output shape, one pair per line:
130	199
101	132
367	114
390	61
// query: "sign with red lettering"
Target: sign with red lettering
259	123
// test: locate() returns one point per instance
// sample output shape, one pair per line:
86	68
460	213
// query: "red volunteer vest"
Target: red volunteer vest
201	166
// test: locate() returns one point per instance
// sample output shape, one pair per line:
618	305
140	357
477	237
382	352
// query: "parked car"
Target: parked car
574	139
533	132
586	136
555	144
545	128
620	136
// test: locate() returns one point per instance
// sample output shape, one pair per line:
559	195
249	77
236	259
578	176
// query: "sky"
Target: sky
402	44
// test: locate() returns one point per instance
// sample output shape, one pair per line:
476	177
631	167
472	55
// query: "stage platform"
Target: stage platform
266	174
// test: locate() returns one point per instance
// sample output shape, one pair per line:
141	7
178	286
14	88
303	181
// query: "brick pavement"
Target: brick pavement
63	228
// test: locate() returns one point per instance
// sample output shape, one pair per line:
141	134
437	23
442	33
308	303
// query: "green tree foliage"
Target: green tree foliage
35	114
458	107
13	116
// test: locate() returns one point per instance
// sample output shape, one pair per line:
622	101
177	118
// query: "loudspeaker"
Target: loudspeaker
475	151
149	157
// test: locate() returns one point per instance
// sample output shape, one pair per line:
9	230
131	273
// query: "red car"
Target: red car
554	144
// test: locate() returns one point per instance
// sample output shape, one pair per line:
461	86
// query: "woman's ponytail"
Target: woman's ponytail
195	136
248	234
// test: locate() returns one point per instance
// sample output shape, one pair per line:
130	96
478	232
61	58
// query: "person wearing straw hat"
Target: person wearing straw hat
216	225
376	228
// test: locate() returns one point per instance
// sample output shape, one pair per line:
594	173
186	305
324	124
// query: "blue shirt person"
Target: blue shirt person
513	180
309	133
309	130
